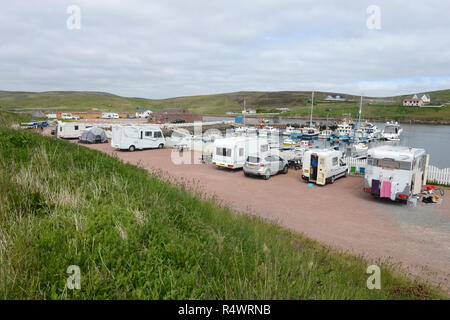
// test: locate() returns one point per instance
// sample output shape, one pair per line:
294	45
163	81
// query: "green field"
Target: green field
135	236
297	101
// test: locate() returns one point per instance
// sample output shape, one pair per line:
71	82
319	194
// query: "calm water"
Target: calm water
435	139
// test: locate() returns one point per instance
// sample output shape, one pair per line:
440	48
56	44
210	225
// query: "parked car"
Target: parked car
265	166
178	121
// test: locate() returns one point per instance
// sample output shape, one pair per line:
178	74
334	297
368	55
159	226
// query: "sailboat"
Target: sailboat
310	133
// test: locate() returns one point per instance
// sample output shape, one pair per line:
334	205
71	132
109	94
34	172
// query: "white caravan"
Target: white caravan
51	116
110	115
132	137
323	166
71	130
232	152
66	116
395	172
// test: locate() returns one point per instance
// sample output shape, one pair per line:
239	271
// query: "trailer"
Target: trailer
132	137
232	152
395	172
322	166
110	115
71	130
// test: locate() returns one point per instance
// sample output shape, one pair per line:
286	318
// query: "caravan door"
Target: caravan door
322	170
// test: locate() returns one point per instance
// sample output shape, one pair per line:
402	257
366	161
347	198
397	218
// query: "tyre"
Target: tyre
161	146
132	148
266	175
285	170
246	174
332	180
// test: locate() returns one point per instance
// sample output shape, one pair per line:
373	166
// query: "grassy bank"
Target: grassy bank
219	104
136	237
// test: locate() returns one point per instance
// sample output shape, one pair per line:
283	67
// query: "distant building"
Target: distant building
283	109
334	97
415	102
249	111
423	96
143	113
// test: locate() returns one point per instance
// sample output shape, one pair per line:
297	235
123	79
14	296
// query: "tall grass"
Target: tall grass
136	237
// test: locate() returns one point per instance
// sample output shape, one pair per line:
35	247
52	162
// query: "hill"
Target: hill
297	101
135	236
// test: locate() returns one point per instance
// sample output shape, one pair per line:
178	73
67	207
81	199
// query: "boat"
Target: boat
325	134
360	149
310	133
288	131
391	131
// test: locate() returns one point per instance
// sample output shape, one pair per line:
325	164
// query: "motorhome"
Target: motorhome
132	137
66	116
395	172
110	115
322	166
232	152
71	130
51	116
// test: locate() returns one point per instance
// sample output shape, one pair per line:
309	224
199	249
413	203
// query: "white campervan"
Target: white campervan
71	130
323	166
110	115
395	172
232	152
66	116
132	137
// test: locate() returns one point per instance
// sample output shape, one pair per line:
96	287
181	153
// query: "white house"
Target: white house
334	97
249	111
422	96
143	113
413	102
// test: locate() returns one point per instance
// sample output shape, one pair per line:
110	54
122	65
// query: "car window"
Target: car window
148	133
157	134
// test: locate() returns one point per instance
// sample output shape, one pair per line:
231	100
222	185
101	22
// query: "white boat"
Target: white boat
369	130
392	131
288	131
325	134
360	150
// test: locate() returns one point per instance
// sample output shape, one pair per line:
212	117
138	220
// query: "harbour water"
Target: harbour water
435	139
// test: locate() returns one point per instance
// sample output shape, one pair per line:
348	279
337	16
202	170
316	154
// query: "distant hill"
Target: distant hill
297	101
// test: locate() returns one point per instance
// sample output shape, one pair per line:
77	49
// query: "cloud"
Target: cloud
159	49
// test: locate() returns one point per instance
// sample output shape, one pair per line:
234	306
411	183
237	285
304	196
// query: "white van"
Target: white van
323	166
71	130
66	116
395	172
110	115
232	152
132	137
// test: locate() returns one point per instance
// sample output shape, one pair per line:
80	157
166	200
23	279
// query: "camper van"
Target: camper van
71	130
232	152
395	172
322	166
110	115
66	116
132	137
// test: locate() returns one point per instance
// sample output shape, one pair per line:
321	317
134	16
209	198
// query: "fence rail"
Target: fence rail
435	175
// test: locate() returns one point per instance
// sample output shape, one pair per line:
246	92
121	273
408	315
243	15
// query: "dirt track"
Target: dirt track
341	215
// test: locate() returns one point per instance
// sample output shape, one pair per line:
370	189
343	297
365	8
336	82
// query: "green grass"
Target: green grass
136	237
222	103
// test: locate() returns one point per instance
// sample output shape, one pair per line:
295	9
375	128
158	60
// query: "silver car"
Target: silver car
265	166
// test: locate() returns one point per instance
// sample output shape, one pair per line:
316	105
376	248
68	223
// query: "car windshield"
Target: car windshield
253	159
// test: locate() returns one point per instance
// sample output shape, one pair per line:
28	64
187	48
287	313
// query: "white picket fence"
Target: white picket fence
435	175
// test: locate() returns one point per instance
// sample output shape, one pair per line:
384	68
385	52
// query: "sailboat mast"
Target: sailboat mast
312	106
359	112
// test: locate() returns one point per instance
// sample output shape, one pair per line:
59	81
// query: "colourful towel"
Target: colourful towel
375	187
385	189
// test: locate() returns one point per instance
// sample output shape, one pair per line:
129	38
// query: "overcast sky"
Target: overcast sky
168	48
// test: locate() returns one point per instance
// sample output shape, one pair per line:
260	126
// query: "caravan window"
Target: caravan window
157	134
241	152
390	164
225	152
264	148
76	127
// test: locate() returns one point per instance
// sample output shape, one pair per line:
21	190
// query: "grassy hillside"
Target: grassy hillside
222	103
136	237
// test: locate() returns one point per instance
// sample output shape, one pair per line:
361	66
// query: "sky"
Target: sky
169	48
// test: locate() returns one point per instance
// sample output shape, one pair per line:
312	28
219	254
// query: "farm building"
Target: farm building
412	103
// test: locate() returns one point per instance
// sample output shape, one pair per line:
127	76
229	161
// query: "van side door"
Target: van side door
322	170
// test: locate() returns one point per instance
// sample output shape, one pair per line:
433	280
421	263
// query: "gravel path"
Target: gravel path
342	215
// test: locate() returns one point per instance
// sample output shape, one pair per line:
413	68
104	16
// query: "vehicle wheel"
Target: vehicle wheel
266	175
345	174
131	148
285	169
332	180
161	146
246	174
